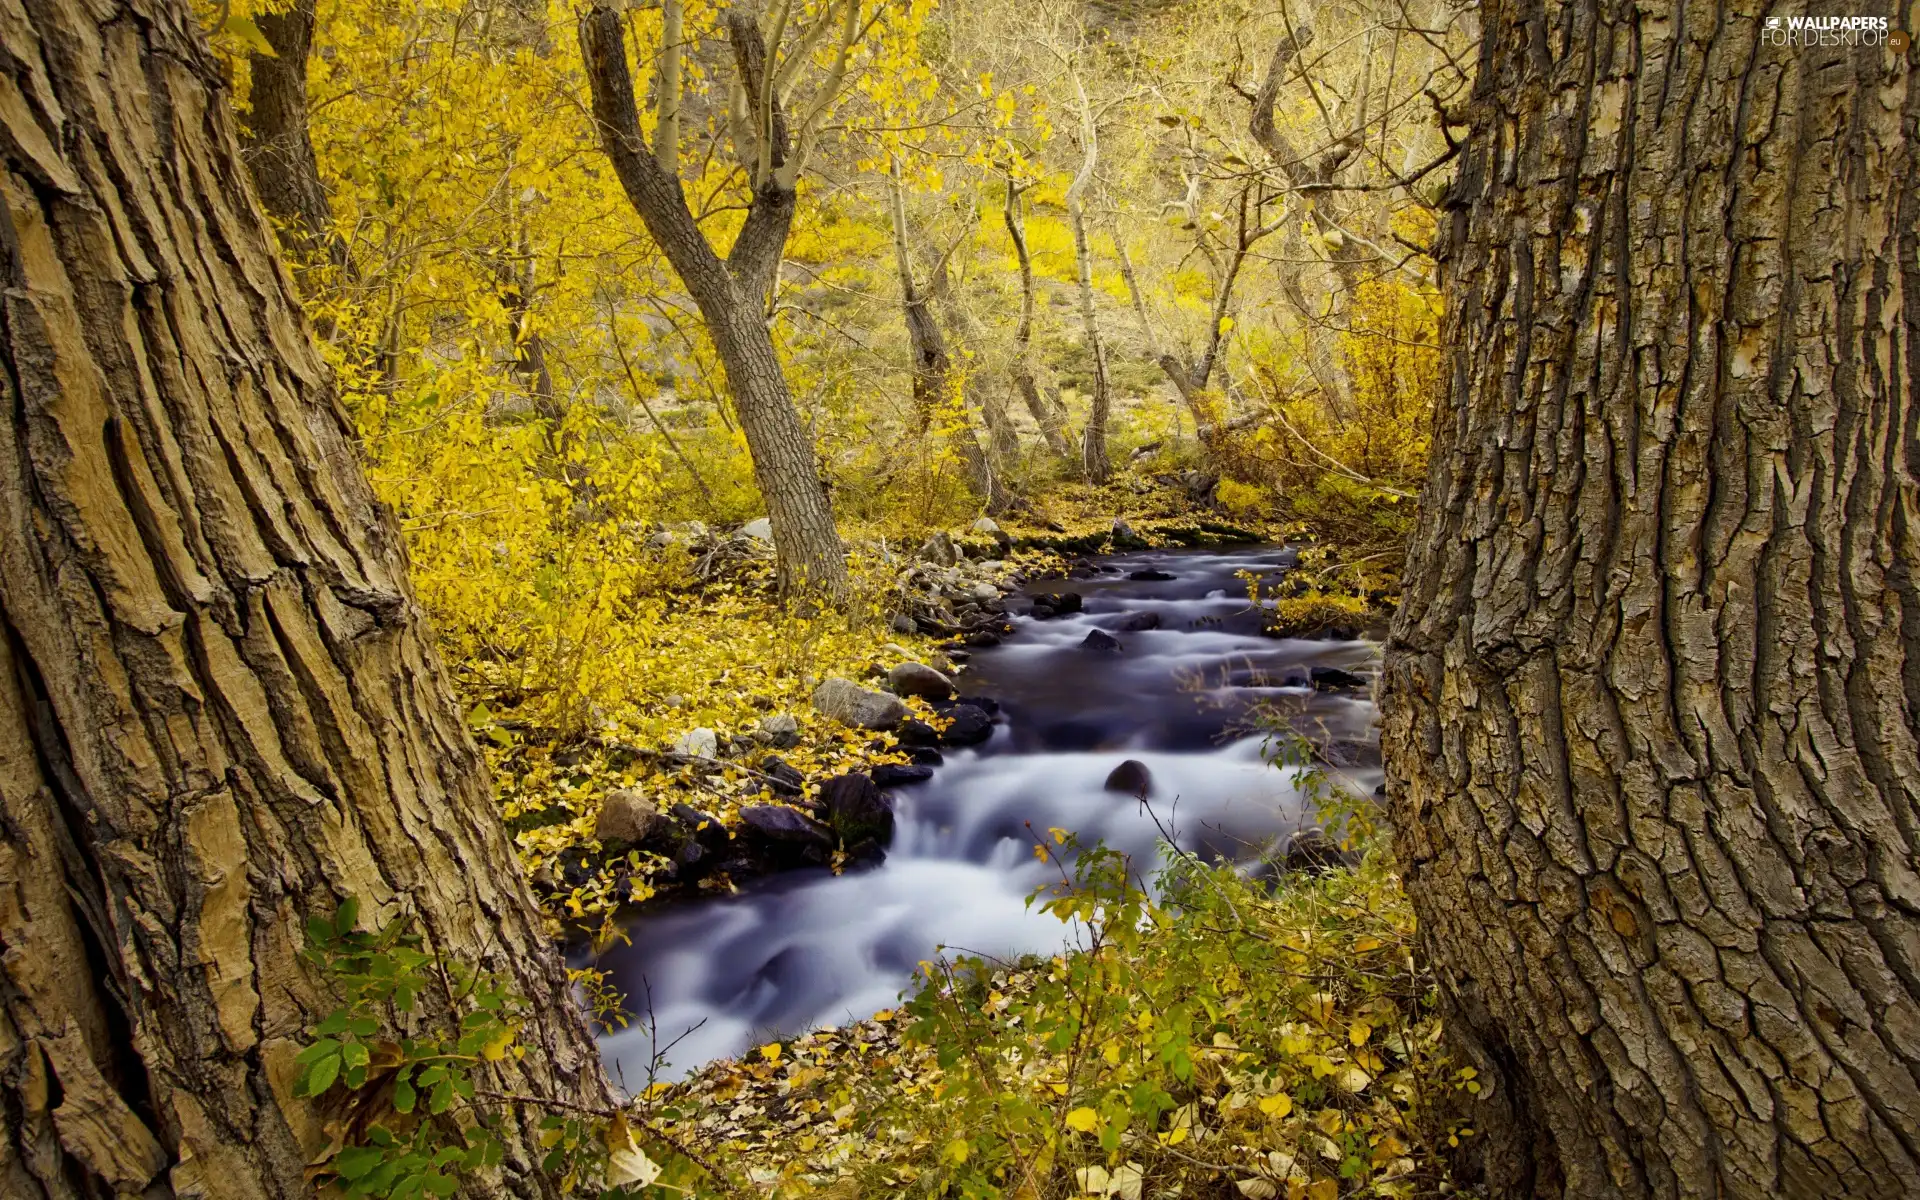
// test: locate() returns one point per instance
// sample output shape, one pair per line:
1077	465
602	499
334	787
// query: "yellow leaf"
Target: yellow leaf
1111	1052
626	1161
1277	1105
1324	1189
957	1151
496	1049
1360	1032
771	1052
1083	1119
243	30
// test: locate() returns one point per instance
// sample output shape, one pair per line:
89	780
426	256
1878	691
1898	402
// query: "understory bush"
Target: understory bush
1208	1033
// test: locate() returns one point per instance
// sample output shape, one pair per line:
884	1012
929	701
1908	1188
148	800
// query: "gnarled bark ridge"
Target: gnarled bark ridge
220	709
1651	699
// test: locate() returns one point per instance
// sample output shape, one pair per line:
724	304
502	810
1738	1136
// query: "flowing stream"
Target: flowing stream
809	948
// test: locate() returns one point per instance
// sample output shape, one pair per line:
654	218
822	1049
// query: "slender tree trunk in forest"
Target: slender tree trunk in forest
1193	378
1094	460
1652	701
1003	440
220	710
933	378
1351	264
1045	409
279	145
730	292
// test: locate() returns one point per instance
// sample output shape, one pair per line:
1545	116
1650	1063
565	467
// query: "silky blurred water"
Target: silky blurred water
809	948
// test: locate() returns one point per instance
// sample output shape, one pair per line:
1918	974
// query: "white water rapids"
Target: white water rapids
808	948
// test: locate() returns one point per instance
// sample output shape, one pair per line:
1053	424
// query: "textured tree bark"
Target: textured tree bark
1650	701
730	293
220	710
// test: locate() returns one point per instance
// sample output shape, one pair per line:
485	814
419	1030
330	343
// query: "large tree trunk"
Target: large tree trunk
220	710
1651	698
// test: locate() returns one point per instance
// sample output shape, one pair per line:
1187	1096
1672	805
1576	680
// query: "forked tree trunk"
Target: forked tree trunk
730	293
220	710
1651	698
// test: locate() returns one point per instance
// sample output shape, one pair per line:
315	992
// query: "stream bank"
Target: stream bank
1160	662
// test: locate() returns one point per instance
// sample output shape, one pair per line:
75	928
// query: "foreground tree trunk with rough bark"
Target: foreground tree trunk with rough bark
220	711
1651	698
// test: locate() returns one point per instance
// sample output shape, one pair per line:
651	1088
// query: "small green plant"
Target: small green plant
405	1060
420	1144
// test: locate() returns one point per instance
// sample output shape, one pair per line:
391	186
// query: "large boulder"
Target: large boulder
1333	679
967	726
895	774
850	704
1311	851
986	525
629	818
940	550
697	743
918	733
857	810
1102	642
783	826
918	679
1140	622
1057	605
1130	778
696	826
760	529
780	730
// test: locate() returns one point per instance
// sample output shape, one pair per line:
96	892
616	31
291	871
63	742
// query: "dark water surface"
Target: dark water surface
809	948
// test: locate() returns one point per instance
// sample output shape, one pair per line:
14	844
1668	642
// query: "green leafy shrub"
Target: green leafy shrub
409	1080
